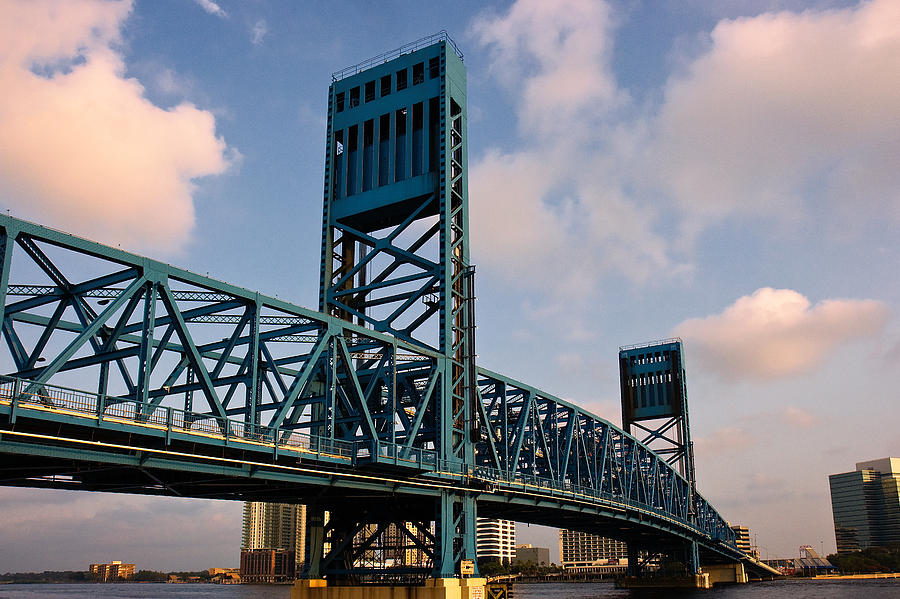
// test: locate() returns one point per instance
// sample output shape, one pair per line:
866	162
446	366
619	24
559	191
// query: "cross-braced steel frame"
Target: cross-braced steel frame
230	370
127	374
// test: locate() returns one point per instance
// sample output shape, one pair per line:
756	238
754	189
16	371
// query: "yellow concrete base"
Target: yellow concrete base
726	573
434	588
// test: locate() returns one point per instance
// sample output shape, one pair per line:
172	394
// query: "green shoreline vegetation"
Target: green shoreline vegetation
868	561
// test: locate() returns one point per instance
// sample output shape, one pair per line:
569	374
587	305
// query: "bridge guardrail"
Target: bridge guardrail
15	392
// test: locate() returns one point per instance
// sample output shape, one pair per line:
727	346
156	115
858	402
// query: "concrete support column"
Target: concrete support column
726	573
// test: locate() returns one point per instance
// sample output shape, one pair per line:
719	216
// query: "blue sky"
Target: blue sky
723	171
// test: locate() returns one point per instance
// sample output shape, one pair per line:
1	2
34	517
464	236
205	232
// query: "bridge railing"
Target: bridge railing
54	398
64	400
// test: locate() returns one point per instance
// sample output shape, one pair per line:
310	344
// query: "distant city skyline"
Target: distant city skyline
720	171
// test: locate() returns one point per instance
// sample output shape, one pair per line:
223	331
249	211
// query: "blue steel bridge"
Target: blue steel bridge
123	374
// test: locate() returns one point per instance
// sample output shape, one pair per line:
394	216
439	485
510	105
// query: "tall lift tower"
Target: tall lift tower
395	253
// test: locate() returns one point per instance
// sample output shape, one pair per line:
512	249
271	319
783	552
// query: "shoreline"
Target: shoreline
880	575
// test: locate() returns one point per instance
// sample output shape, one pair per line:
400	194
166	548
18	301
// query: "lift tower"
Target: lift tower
655	409
395	246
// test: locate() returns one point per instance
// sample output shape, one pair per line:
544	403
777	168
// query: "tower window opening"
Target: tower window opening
400	145
368	153
339	102
418	139
370	91
434	67
401	79
354	97
418	73
384	149
352	158
338	163
385	85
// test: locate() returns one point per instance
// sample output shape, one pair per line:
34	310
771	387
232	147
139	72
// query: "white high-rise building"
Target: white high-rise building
496	539
275	526
583	550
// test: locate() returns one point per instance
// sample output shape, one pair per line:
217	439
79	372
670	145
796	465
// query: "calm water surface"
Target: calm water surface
788	589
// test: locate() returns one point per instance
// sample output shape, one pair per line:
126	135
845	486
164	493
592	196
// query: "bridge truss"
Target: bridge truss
100	340
125	374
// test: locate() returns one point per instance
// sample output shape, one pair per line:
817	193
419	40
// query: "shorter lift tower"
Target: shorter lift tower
655	410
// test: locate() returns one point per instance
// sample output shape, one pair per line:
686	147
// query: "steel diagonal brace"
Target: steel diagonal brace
87	334
191	350
300	382
569	434
45	294
382	245
420	412
351	373
18	351
542	424
521	424
486	423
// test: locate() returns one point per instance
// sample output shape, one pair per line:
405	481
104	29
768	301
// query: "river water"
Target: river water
784	589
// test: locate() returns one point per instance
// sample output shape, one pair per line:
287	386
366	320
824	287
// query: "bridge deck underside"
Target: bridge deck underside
62	454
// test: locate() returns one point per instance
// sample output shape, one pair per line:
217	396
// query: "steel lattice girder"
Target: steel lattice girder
339	380
531	433
150	332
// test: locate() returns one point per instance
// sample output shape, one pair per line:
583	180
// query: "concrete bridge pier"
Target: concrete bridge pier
434	588
726	573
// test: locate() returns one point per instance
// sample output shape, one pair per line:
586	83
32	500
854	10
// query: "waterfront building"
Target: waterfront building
810	563
742	539
279	527
267	566
865	505
535	555
112	571
495	539
582	551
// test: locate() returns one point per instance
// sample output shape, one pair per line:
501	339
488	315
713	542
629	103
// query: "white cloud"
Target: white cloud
552	212
258	32
81	147
777	332
212	8
785	114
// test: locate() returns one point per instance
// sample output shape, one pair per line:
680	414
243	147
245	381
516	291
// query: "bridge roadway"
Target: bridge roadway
349	413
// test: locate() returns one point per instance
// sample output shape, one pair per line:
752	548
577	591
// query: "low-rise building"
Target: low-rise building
536	555
112	571
267	566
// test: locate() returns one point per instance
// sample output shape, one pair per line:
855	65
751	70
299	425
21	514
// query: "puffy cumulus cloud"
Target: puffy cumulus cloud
552	210
81	147
778	332
785	113
560	50
782	116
